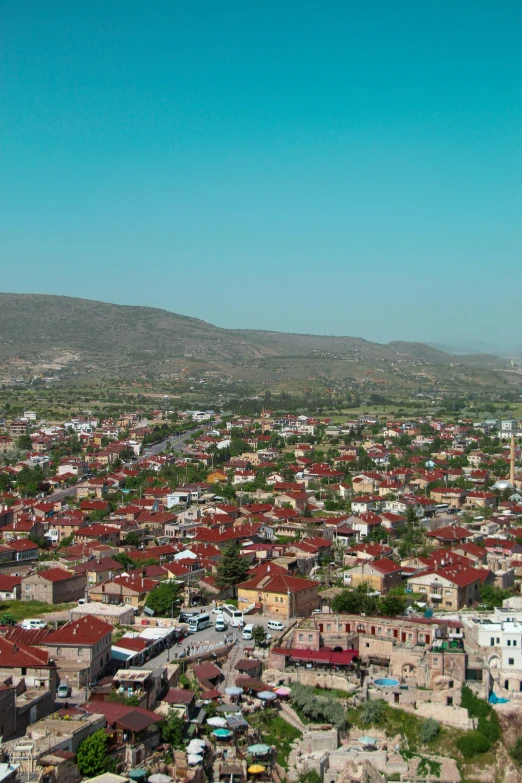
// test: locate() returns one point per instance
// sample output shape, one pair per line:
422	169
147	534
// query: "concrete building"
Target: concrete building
81	648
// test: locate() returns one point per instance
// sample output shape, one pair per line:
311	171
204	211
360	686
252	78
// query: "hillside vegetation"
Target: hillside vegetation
125	341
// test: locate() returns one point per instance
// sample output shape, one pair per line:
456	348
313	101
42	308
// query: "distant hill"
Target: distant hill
121	340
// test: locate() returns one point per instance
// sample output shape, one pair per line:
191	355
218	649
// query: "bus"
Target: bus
233	616
197	622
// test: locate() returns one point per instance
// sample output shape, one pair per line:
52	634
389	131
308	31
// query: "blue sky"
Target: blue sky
333	167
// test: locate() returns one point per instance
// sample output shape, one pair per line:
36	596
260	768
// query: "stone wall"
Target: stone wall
314	679
457	717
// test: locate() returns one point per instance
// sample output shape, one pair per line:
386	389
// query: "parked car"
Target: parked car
218	609
63	691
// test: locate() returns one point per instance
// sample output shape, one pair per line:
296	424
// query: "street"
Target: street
207	639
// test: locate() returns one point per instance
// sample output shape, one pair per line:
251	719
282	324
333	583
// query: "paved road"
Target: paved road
206	639
174	440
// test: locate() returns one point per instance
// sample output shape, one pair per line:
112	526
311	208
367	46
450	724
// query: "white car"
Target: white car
218	609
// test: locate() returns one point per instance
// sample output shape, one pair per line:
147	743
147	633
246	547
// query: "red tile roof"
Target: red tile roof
278	583
19	655
87	631
55	574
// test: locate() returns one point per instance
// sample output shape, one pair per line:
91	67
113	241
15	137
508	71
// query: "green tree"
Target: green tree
162	598
132	539
372	711
232	568
171	729
24	442
391	606
429	730
92	755
259	634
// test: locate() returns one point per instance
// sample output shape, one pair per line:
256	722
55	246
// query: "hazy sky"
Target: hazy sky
332	166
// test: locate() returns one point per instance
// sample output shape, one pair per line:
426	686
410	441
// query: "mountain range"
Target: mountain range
98	339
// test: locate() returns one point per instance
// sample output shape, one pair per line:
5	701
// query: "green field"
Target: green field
20	610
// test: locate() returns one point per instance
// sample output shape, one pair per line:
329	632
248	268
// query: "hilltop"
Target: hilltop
40	331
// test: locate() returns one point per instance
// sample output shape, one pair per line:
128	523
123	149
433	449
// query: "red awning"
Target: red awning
343	658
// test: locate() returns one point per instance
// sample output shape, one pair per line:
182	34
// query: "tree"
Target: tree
171	729
259	634
372	711
24	442
92	755
391	606
232	568
162	598
132	539
429	730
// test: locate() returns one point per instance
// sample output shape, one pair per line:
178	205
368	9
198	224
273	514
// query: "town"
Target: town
200	595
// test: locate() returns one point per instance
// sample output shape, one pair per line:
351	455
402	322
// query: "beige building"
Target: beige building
381	575
280	595
449	587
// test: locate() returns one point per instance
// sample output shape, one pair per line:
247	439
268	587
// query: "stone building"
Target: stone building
53	586
81	648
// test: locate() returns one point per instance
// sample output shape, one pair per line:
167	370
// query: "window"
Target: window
492	641
367	644
509	642
80	652
514	642
301	637
310	637
511	661
58	651
498	640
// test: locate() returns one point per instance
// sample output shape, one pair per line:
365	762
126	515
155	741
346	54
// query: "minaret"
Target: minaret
512	461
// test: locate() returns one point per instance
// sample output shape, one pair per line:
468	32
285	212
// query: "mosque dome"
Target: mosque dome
502	484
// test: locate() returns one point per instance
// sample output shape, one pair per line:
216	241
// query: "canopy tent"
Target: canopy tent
160	778
237	722
228	708
259	749
267	695
234	690
217	722
222	733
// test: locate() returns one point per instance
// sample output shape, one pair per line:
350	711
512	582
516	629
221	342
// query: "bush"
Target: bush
372	711
516	750
488	724
489	727
429	730
473	743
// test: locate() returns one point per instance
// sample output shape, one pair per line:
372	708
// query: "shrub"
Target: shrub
489	727
516	750
372	711
473	743
429	730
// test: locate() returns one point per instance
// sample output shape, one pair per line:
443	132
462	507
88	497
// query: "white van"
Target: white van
220	624
247	632
275	625
30	625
